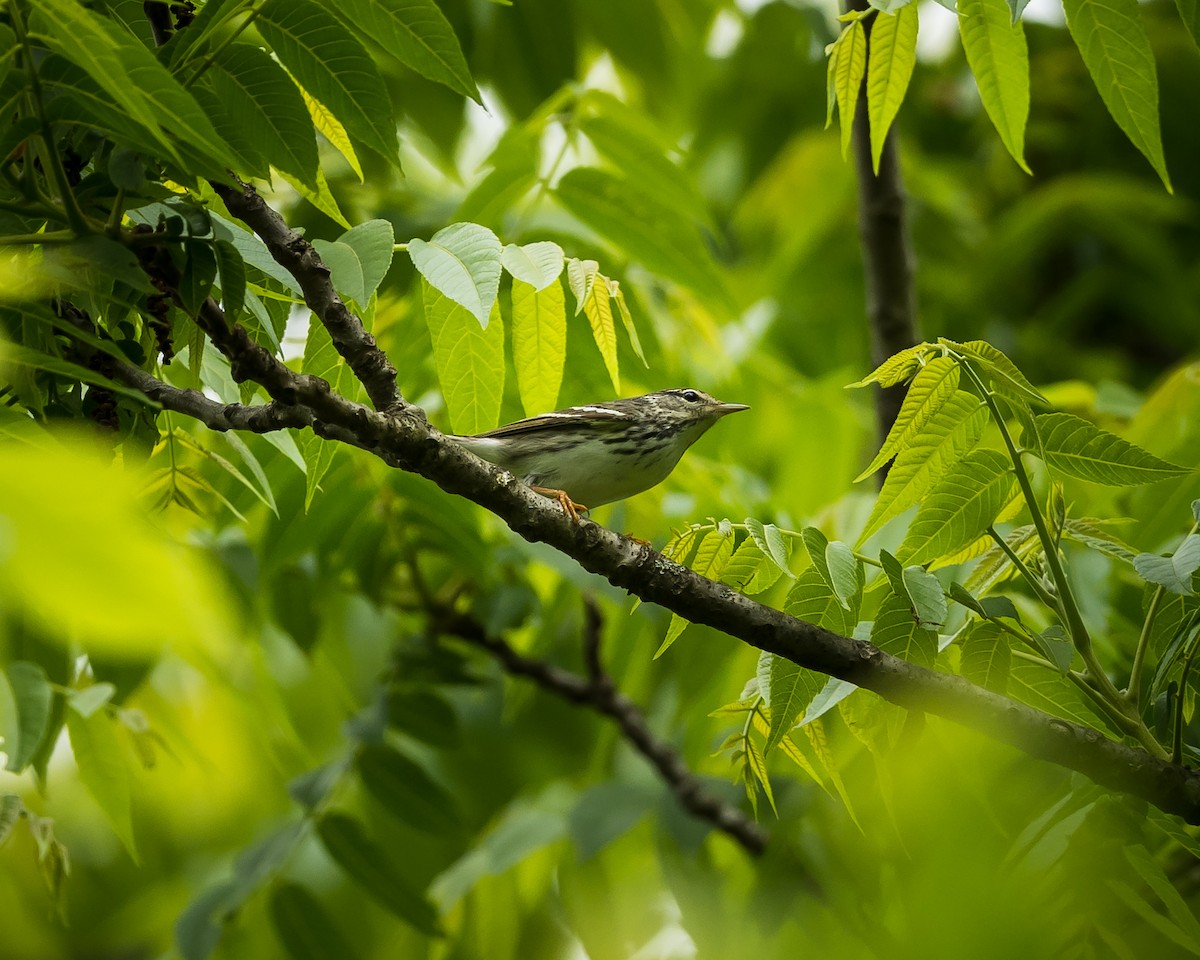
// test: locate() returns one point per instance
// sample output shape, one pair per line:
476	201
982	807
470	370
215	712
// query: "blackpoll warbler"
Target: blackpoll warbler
601	452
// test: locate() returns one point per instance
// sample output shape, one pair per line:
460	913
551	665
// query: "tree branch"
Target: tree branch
296	255
599	693
407	441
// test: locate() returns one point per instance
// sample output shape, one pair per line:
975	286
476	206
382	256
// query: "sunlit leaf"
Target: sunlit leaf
469	361
962	505
539	340
933	385
462	262
847	67
537	264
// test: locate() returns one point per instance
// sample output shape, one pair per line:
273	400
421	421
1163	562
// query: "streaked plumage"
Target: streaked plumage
602	452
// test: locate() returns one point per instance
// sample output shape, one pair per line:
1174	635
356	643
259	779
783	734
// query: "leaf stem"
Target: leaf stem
1035	584
1133	691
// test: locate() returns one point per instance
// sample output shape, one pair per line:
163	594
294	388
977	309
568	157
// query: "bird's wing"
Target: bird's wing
597	417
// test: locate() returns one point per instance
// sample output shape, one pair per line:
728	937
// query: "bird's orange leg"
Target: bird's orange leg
569	506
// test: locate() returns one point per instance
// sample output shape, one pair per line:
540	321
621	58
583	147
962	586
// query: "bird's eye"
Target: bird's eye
691	396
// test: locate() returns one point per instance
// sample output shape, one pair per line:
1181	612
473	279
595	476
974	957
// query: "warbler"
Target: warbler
601	452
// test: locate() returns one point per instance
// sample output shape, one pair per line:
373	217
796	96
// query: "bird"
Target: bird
598	453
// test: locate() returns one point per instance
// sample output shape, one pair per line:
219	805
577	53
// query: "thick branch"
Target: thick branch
409	443
888	260
600	694
262	418
297	256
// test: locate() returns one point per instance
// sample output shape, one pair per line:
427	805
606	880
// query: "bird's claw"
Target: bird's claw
569	506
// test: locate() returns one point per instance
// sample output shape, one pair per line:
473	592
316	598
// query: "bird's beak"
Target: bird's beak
724	408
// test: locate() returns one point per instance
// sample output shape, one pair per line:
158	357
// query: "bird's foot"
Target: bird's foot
569	506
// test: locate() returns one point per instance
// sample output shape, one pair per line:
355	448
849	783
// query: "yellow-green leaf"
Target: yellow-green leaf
996	50
962	505
847	65
469	360
711	557
597	306
928	392
890	67
332	130
949	434
539	339
1079	448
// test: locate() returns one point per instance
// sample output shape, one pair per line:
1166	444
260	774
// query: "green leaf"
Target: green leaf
895	631
711	557
11	809
1052	693
847	66
994	566
111	548
416	33
102	770
936	383
373	242
638	223
335	69
812	599
597	307
199	273
962	505
469	361
845	573
135	81
926	596
231	271
987	656
1151	871
1112	39
952	431
321	359
424	715
302	925
1173	572
772	543
644	160
1056	645
462	262
345	269
406	791
999	370
889	69
790	689
618	296
20	356
32	700
994	42
1079	448
371	866
1189	13
749	570
262	103
539	343
1093	534
536	264
88	700
895	369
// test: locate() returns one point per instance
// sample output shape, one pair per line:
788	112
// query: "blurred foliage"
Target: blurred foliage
242	733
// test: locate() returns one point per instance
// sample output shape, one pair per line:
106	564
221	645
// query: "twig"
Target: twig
598	692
